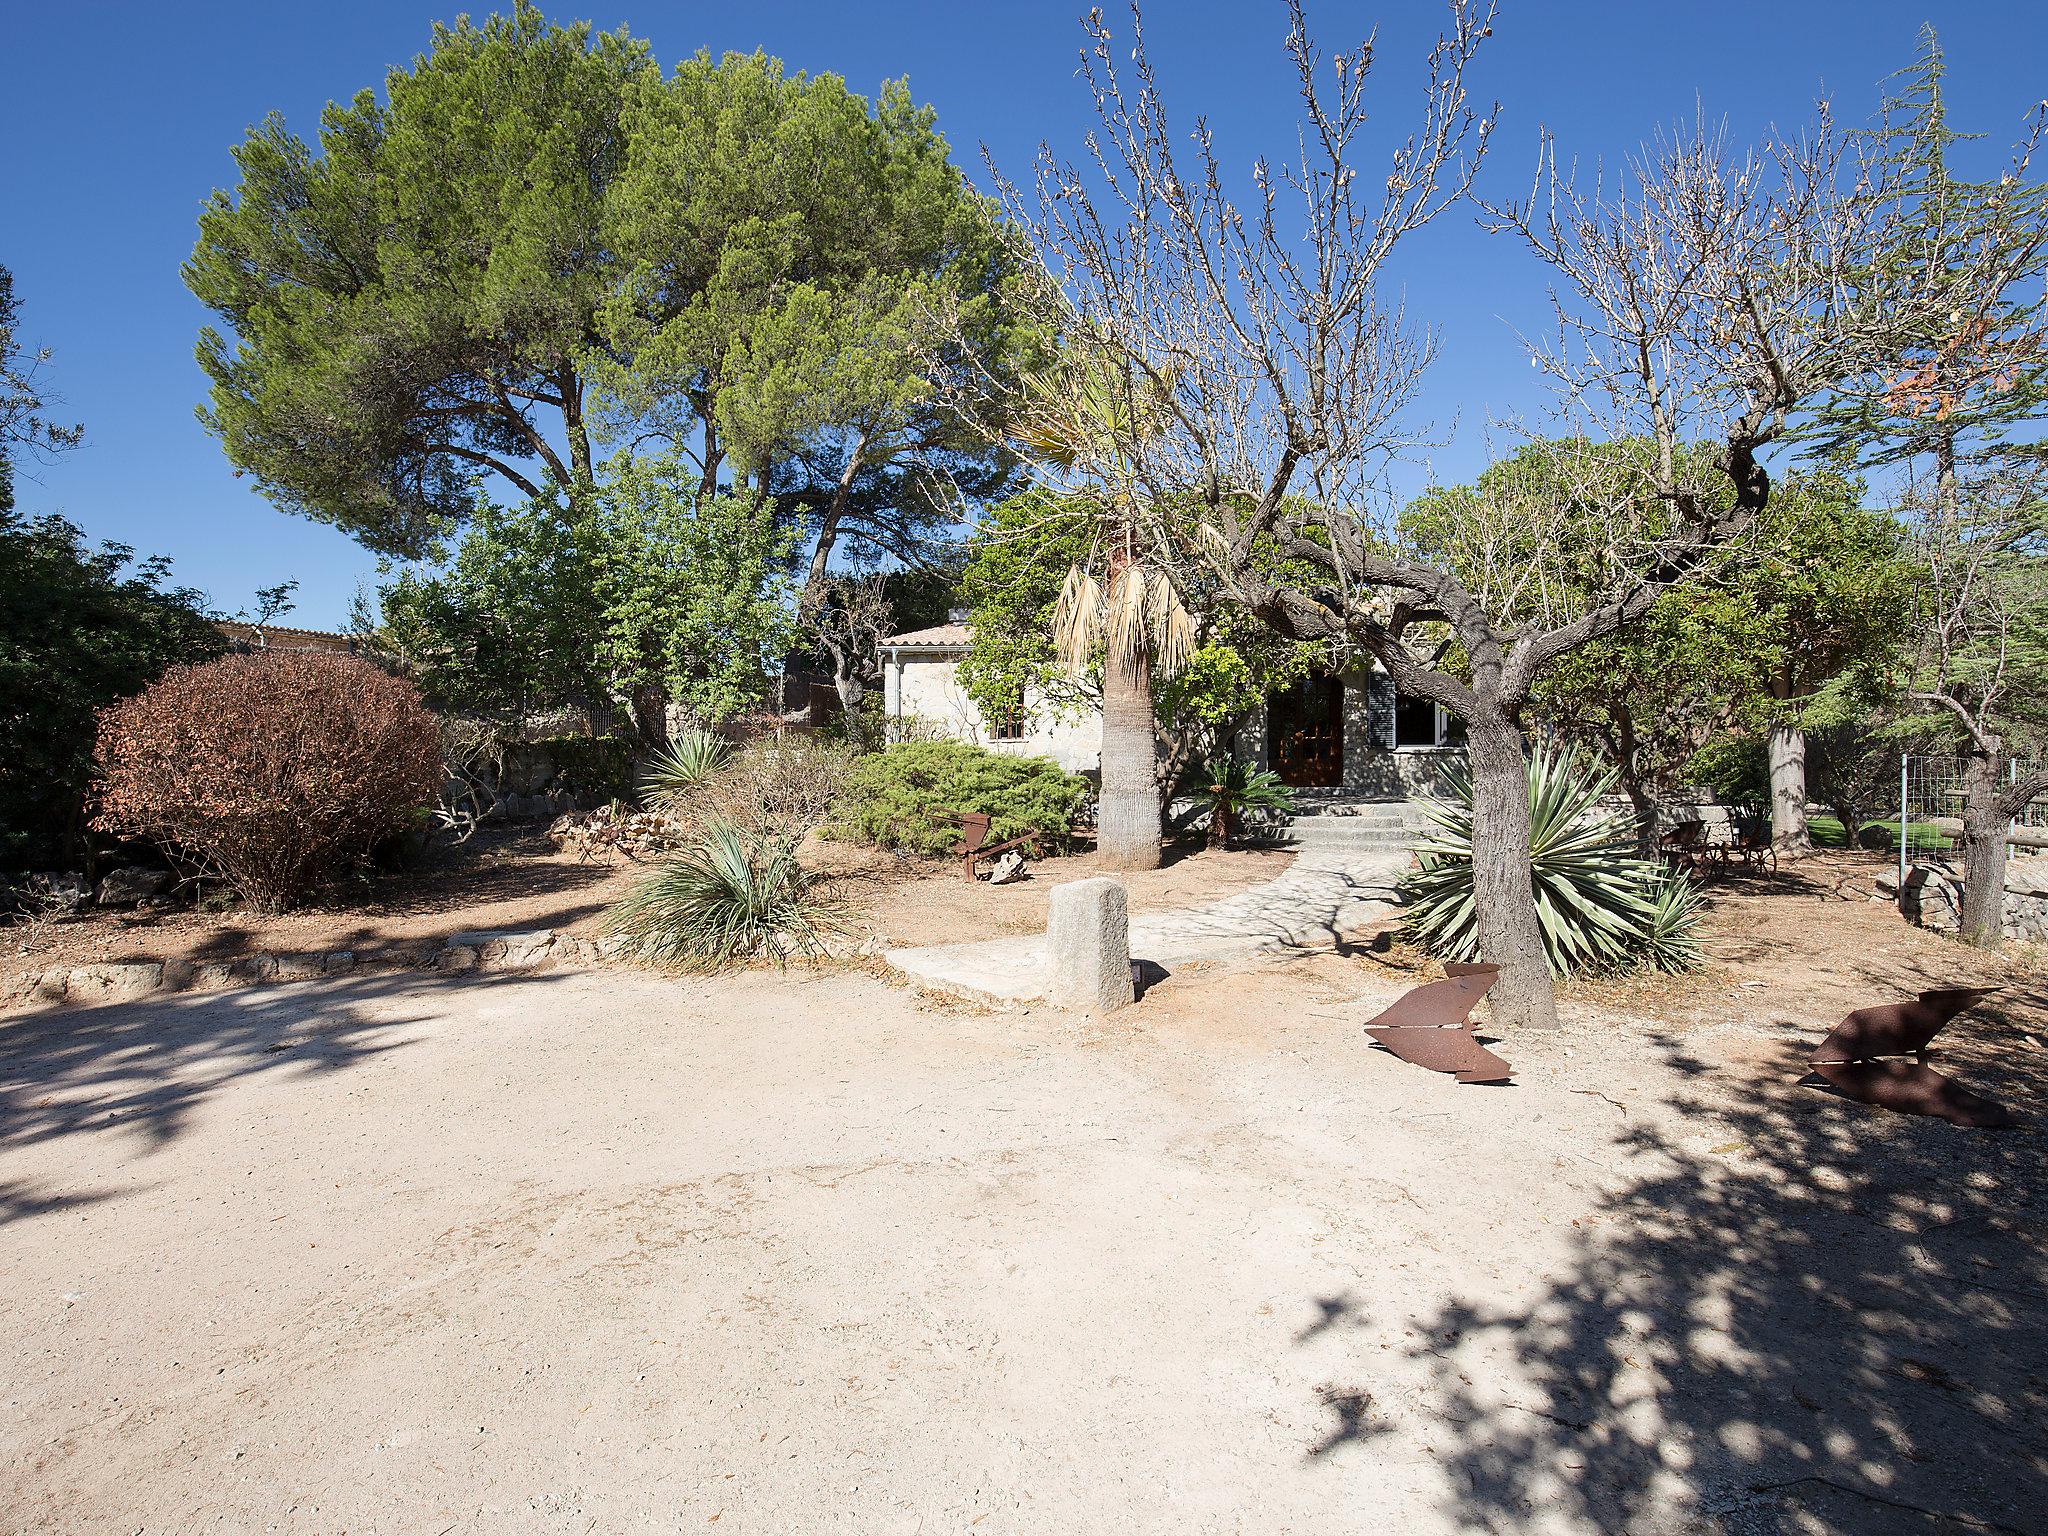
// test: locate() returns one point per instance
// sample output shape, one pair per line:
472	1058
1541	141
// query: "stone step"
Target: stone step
1334	833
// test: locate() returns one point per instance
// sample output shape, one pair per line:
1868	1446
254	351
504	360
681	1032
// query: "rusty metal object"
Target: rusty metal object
1862	1058
1898	1029
1430	1026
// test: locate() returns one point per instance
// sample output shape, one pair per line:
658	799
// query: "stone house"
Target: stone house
1349	733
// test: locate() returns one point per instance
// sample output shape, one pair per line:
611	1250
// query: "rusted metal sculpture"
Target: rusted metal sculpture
974	846
1862	1056
1431	1027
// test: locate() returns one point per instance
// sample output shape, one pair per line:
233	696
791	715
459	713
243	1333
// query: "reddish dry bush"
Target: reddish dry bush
273	769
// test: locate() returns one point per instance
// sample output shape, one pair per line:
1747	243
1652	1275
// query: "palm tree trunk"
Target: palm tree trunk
1127	814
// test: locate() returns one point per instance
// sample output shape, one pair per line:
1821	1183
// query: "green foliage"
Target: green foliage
79	629
1820	588
647	587
536	235
399	303
593	769
1235	790
1602	909
734	896
692	591
678	771
907	797
1017	562
1735	765
510	624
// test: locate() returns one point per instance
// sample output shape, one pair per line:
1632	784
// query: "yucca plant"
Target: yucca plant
1233	789
732	897
682	767
1602	909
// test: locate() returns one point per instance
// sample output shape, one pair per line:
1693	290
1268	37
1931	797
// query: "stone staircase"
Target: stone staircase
1326	821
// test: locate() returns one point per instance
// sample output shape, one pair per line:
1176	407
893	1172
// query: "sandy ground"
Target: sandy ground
511	877
607	1252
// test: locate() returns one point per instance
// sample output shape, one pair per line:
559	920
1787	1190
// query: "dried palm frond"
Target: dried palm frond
1076	616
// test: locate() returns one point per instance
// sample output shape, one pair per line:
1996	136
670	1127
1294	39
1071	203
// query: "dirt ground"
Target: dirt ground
606	1252
512	877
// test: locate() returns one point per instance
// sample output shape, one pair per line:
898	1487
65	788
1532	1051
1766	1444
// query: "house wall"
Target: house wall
1373	767
921	691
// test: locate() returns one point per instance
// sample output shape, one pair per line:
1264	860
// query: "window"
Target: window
1420	725
1008	724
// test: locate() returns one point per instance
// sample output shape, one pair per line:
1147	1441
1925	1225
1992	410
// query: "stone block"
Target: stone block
1088	940
299	967
112	982
456	957
338	960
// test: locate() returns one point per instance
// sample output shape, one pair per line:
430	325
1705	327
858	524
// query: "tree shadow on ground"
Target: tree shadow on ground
146	1066
1812	1315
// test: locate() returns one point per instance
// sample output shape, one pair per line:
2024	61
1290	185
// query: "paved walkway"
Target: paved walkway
1325	894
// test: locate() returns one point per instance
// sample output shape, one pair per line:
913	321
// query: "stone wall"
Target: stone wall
1933	896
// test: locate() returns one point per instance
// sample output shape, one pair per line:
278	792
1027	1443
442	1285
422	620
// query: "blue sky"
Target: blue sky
117	121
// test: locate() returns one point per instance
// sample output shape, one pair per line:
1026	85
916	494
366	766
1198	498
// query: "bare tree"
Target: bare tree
1709	296
1983	660
845	619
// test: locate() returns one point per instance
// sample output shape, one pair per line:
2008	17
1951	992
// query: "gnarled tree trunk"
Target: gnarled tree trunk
1787	745
1510	934
1127	810
1984	852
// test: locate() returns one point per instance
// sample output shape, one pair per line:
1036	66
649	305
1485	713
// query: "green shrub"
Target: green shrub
734	896
908	796
594	769
1603	910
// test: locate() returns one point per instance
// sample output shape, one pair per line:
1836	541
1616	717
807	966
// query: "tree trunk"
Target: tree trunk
1984	851
1510	934
1788	790
1127	810
1621	746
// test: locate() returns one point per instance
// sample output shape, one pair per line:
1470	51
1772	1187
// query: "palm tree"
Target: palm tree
1080	412
1140	625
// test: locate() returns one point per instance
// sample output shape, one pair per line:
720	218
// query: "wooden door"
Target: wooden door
1305	733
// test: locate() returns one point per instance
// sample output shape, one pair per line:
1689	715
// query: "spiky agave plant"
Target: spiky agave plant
1233	789
730	898
679	769
1602	909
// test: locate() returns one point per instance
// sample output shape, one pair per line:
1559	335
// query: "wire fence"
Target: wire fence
1931	802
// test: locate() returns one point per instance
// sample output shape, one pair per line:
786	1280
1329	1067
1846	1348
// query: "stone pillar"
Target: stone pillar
1088	939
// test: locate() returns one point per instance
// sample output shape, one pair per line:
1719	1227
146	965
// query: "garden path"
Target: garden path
1324	895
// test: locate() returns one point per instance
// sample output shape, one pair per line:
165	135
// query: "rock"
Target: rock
62	891
213	976
127	886
1007	868
338	960
2028	875
298	967
178	975
456	957
114	981
1088	938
